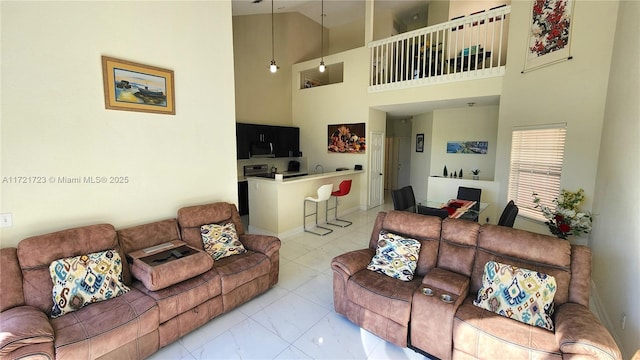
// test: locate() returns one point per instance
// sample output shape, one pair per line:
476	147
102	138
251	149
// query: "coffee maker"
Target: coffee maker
294	166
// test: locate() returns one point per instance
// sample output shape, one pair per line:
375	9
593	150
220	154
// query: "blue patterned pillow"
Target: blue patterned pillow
85	279
519	294
395	256
221	240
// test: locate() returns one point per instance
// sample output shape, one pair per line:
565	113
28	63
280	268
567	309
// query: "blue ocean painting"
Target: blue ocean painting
139	88
467	147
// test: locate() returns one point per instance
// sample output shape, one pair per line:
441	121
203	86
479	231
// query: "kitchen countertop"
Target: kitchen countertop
302	177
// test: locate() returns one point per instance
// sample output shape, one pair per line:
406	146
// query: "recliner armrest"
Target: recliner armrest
353	261
578	331
23	326
264	244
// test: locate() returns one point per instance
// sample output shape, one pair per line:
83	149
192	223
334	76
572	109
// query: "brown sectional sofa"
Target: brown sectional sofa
138	323
451	261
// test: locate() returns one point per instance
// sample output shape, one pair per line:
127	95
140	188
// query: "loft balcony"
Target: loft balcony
467	47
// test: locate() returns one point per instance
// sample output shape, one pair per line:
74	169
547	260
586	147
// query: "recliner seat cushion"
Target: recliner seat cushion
100	328
486	335
185	295
383	295
237	270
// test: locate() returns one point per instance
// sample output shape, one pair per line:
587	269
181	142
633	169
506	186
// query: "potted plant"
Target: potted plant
475	173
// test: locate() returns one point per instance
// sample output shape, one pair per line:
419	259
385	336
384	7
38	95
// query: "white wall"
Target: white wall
464	124
54	122
615	240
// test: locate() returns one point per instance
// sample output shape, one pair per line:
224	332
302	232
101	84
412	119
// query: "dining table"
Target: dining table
458	208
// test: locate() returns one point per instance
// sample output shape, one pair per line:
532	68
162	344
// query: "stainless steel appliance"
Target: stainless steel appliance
294	166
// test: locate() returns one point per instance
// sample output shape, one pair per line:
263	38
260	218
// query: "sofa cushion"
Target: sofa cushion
221	240
185	295
102	327
238	270
23	326
36	253
482	334
383	295
11	279
85	279
519	294
395	256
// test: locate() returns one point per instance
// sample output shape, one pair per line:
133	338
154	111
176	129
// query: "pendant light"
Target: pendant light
322	67
273	67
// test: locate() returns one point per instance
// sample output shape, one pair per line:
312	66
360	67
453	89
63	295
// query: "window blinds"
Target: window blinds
536	166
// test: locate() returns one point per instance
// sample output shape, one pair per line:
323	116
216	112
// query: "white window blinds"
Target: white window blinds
536	165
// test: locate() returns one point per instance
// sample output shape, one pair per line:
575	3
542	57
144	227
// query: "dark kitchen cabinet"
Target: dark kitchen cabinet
243	140
285	139
288	143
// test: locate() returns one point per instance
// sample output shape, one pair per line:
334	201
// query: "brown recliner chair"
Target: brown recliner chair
379	303
242	276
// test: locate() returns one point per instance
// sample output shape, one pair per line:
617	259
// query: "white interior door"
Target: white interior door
376	173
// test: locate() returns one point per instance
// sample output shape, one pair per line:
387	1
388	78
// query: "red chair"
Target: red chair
343	190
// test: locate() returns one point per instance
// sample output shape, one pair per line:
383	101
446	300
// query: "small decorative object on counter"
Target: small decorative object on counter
445	172
475	173
460	174
455	174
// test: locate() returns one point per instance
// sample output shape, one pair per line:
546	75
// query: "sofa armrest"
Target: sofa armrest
23	326
353	261
264	244
579	332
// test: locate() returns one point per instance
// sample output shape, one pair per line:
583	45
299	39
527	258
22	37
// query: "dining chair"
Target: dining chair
509	213
472	194
404	199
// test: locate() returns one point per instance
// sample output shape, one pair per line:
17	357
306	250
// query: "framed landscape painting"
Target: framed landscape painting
136	87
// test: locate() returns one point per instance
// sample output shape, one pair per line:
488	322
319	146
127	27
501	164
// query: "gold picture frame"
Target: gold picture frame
130	86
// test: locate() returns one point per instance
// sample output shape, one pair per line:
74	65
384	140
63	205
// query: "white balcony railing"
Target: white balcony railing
468	47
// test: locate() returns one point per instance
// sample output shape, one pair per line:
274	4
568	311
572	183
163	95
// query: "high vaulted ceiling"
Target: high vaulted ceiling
338	12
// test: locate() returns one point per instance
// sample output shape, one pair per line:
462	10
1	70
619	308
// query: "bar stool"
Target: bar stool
324	194
343	189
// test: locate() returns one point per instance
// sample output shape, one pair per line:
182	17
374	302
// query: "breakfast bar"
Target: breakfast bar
276	205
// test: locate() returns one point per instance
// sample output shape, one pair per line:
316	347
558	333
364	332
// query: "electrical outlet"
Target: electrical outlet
6	220
624	321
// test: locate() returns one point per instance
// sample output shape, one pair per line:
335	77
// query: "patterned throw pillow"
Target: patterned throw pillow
519	294
221	240
395	256
85	279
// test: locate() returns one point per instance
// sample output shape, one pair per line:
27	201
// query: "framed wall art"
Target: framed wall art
549	34
467	147
347	138
419	142
136	87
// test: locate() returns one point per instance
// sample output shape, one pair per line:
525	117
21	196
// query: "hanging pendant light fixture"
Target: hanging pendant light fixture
322	67
273	67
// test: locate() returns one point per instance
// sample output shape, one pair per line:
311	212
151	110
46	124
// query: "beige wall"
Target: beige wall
421	162
54	123
615	240
571	91
263	97
464	124
346	37
315	108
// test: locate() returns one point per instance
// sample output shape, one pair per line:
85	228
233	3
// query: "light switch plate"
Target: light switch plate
6	220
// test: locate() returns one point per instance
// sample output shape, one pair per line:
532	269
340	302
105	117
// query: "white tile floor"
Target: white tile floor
295	319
